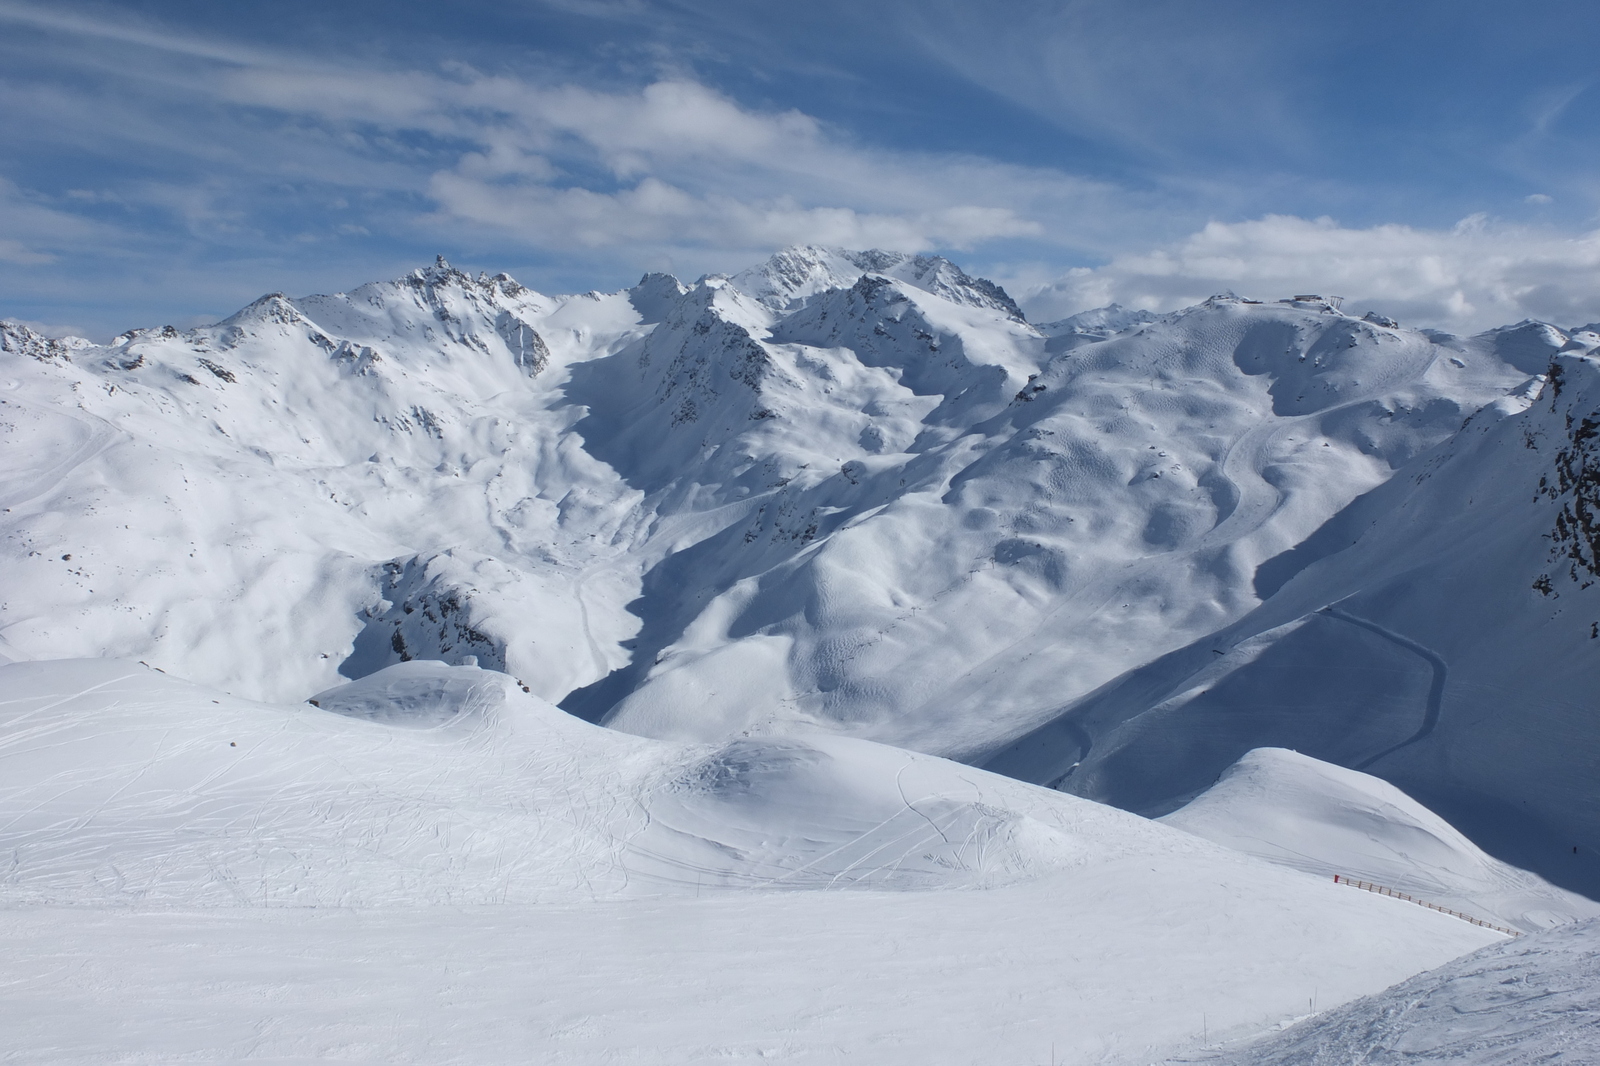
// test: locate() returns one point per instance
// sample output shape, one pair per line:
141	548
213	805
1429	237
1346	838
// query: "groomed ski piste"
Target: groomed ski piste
436	866
292	600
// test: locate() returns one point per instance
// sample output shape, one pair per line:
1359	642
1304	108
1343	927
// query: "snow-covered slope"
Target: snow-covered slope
1100	324
766	525
960	531
1439	633
432	865
1531	1000
848	492
1292	809
336	480
788	279
425	783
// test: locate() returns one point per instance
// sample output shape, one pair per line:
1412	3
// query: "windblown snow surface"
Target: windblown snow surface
1526	1001
292	600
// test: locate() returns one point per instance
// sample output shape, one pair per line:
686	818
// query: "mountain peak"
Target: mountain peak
15	337
655	294
440	273
791	277
273	307
1099	323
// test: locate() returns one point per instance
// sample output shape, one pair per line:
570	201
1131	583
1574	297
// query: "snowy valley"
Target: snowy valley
815	663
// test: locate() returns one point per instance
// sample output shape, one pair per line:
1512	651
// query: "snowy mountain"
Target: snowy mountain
292	600
1100	324
257	502
785	281
842	491
1439	632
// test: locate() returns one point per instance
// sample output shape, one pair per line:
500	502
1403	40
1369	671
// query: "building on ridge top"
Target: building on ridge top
1331	302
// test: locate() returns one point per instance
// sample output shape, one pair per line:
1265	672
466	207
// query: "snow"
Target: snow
842	491
1437	634
798	536
1100	324
436	866
791	277
242	525
1044	531
1532	1000
1292	809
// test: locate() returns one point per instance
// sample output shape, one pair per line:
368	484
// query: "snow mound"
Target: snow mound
1292	809
419	695
1531	1000
428	783
834	813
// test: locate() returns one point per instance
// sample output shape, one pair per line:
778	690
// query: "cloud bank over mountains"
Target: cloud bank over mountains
1464	279
185	165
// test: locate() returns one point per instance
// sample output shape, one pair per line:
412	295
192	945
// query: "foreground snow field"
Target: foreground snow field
437	867
1125	967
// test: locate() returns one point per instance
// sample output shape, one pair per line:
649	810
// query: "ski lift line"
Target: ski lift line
1383	890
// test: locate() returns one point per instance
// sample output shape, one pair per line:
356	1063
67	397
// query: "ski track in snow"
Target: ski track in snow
101	435
1430	714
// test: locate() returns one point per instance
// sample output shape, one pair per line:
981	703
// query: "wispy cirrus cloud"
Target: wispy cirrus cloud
672	165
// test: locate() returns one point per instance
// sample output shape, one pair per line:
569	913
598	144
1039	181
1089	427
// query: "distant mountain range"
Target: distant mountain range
858	493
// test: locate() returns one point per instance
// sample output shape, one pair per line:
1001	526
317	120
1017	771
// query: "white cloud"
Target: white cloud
673	164
654	213
1474	276
1162	77
372	163
123	29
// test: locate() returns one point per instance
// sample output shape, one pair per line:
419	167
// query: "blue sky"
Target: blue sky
168	161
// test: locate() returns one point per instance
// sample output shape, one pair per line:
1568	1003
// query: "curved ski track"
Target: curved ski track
1441	671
